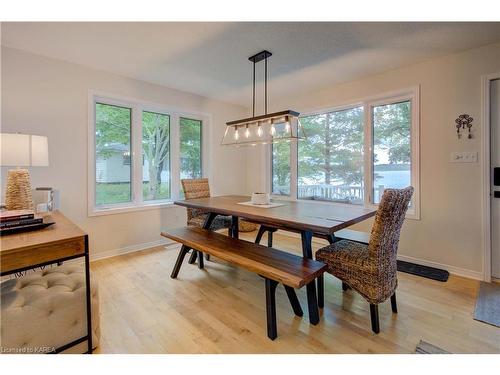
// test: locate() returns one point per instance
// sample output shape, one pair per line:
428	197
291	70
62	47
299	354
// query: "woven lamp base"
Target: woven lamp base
18	192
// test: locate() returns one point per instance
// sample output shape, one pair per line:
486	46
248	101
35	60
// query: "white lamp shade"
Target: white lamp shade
39	151
23	150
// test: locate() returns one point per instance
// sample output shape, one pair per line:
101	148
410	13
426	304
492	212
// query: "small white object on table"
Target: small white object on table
260	198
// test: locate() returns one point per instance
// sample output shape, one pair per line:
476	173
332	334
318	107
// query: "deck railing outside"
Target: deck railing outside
337	193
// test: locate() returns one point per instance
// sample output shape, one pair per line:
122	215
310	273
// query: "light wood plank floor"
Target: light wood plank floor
221	309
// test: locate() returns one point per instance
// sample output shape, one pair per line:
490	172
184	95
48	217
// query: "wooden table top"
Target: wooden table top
324	218
62	239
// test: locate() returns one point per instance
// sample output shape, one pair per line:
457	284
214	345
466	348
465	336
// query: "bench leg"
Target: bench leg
294	301
272	331
312	303
178	263
321	291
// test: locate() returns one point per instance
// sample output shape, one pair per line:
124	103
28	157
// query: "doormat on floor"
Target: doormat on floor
424	347
424	271
488	304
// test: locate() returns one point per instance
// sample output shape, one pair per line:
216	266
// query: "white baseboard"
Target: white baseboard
131	249
451	269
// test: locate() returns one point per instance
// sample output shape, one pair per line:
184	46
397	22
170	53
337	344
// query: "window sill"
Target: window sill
129	208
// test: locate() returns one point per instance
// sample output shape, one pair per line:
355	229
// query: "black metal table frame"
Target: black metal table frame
88	336
306	236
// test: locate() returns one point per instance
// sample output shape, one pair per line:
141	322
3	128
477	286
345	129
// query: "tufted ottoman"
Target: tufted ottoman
46	309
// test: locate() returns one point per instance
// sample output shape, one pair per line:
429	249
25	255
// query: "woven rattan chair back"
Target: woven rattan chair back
386	229
195	188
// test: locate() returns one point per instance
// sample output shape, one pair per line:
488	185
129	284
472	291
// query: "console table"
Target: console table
60	242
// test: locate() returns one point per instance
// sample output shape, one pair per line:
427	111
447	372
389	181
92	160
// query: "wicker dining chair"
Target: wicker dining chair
370	269
199	188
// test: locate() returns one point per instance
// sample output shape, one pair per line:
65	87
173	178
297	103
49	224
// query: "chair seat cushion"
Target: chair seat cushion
47	309
350	262
220	222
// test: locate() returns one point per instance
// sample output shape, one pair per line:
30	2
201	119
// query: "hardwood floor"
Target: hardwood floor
221	309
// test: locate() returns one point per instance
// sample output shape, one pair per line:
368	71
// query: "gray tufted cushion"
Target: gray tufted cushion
47	309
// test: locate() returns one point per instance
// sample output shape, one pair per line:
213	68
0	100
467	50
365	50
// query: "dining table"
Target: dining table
308	218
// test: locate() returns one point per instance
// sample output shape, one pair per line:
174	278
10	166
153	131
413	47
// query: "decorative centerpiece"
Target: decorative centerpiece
260	198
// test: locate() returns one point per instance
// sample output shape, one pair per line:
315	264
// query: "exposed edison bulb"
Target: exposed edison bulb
247	132
287	124
236	135
259	131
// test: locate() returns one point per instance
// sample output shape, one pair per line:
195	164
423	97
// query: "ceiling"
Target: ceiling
211	59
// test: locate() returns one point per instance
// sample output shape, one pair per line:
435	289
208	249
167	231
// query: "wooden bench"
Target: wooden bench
275	266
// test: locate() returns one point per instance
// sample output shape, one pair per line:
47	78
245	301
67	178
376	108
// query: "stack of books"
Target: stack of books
17	219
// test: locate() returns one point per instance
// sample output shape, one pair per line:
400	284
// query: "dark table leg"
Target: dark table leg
192	258
235	229
294	301
331	238
88	296
312	301
262	230
206	225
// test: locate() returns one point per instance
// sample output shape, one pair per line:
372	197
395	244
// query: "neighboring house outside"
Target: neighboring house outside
115	166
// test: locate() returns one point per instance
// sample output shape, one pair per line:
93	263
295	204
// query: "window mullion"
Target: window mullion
293	168
136	178
368	155
174	156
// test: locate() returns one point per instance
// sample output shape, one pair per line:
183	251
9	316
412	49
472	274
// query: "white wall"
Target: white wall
449	232
50	97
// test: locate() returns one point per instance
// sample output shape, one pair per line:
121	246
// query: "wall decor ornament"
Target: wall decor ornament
462	122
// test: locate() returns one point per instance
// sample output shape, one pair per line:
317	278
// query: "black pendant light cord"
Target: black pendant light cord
263	55
253	103
265	87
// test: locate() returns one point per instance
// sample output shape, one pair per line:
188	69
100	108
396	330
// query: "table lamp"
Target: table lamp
21	150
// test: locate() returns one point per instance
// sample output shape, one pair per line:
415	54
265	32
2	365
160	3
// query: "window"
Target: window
281	173
156	156
353	153
138	154
113	127
190	150
190	136
330	160
391	159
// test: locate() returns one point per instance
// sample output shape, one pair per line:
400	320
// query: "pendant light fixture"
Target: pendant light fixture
266	128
